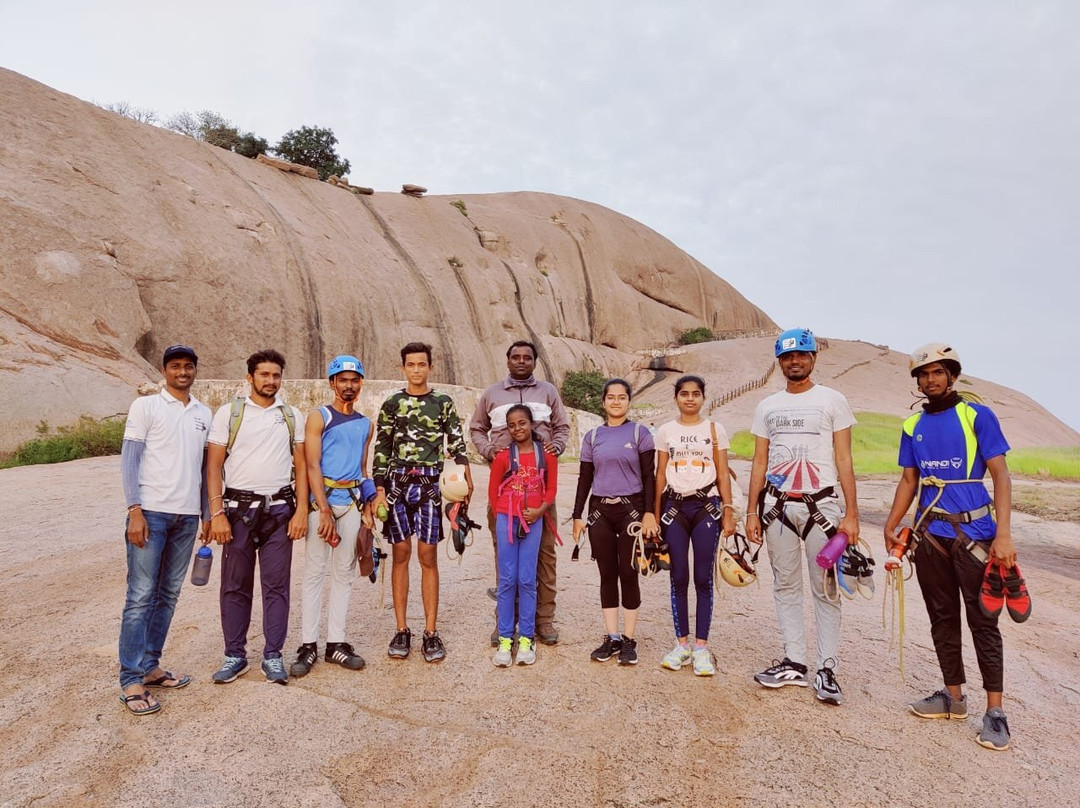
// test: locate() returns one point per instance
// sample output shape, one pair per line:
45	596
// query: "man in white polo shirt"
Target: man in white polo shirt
256	450
162	464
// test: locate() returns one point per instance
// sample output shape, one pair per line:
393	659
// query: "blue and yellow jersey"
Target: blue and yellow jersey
954	445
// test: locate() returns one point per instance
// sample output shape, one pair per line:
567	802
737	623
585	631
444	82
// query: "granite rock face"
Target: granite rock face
120	238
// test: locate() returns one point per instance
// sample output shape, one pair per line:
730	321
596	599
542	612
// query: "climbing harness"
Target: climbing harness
461	527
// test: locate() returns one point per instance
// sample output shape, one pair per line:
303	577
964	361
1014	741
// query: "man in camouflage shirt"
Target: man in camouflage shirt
410	430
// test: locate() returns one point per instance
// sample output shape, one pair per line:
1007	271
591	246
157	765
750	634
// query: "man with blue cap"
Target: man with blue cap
336	444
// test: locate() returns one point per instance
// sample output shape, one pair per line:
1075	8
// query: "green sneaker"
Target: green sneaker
677	657
502	658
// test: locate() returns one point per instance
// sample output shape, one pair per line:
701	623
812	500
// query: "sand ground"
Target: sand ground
566	731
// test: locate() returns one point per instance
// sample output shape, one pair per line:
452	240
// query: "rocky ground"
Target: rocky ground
565	732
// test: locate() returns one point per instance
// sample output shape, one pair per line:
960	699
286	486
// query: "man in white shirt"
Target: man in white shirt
256	450
162	463
802	451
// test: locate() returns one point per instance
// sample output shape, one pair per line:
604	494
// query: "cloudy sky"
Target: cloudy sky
895	172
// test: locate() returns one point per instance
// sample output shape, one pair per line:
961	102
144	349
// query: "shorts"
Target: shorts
415	510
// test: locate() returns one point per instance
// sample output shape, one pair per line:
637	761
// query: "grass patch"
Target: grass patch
1056	503
1047	462
88	437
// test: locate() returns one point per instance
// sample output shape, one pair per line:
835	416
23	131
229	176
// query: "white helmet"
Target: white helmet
934	352
452	483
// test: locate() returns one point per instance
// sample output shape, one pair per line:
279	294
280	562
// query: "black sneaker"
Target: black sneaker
783	673
828	690
343	654
306	657
628	652
399	646
609	648
433	648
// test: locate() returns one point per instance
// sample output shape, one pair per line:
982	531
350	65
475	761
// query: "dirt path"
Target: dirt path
463	733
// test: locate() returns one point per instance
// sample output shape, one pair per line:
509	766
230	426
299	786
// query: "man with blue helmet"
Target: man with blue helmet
802	452
337	438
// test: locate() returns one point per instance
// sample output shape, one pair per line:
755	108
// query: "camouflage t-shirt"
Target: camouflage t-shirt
410	432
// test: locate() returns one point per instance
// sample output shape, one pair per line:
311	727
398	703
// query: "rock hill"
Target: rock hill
118	238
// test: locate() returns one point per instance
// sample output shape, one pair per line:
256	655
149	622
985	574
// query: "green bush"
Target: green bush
695	335
460	205
584	390
86	438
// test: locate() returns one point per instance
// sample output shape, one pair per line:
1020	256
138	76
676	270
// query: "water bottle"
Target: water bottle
897	555
200	570
833	549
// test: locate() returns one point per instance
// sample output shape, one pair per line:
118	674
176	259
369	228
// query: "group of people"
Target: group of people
272	475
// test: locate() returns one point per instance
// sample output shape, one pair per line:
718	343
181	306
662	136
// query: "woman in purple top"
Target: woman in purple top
617	466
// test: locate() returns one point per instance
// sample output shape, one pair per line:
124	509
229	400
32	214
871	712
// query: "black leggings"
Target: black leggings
613	551
944	581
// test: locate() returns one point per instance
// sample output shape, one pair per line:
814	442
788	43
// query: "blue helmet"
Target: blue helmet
796	339
343	363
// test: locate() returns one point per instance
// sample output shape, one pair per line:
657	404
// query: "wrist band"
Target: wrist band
729	505
133	507
216	496
218	513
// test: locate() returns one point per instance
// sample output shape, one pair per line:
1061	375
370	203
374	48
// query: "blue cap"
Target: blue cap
176	351
796	339
343	363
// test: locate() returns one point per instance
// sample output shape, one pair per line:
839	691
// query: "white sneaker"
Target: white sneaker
676	658
703	662
502	658
526	653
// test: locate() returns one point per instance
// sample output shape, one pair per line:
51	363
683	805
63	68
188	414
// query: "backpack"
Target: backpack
236	417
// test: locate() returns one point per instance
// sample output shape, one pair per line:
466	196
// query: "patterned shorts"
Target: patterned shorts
415	511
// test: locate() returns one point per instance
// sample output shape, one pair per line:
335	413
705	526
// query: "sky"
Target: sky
895	172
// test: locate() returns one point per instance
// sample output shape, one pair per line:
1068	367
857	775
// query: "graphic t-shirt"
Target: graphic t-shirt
799	428
690	454
410	433
937	447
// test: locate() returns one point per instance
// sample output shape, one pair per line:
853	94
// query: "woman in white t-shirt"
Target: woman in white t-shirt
692	469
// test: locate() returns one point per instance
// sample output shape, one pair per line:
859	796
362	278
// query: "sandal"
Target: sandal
167	676
1017	598
151	706
992	591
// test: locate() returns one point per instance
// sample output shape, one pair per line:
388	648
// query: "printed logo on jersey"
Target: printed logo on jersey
941	465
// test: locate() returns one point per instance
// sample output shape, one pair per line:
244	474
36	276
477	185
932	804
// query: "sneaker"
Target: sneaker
493	593
306	657
526	654
399	646
433	648
1017	599
229	670
826	686
847	576
783	673
343	654
547	634
610	647
995	731
677	657
628	652
940	705
703	662
502	657
274	670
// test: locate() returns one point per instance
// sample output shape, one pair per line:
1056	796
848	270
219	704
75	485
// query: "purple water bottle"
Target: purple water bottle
833	549
200	570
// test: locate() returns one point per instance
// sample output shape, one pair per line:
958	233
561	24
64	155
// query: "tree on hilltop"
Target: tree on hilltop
127	110
313	146
217	130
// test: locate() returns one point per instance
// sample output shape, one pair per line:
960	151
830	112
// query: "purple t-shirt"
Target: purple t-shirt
615	458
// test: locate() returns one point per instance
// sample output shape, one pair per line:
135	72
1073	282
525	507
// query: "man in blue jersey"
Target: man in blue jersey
336	448
945	452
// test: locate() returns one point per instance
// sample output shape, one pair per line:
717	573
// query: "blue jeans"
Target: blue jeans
517	575
155	574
